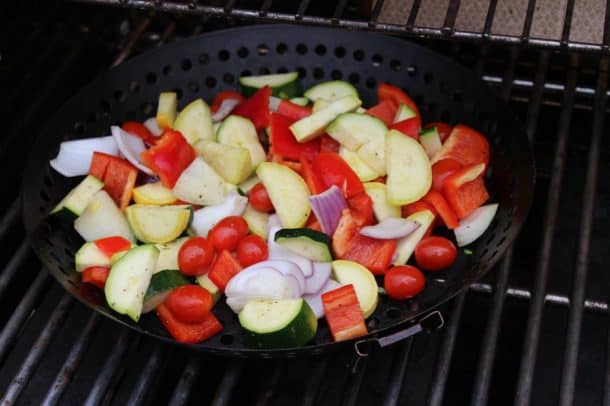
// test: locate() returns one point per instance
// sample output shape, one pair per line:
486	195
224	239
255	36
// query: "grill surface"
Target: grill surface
537	326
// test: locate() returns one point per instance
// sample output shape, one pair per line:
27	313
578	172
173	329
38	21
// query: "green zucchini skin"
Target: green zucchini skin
311	244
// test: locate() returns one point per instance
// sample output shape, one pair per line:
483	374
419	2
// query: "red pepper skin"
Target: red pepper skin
328	144
171	155
256	108
333	170
414	207
223	269
292	110
361	206
111	245
385	110
295	166
466	146
119	181
343	313
443	209
311	178
408	127
441	170
283	142
385	91
189	333
443	129
345	232
140	131
222	96
99	163
465	190
95	275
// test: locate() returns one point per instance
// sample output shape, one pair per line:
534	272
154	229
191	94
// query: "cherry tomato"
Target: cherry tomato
259	198
403	282
251	250
441	170
195	256
443	129
190	303
435	253
227	233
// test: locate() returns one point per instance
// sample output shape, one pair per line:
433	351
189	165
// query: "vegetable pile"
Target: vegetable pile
291	206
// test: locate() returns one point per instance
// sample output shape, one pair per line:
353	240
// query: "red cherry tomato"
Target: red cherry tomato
228	232
403	282
190	303
435	253
441	170
195	256
251	250
259	198
443	129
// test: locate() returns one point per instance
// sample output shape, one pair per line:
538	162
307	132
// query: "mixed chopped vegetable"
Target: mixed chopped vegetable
291	206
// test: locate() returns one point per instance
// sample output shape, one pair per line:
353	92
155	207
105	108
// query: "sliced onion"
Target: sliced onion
328	206
74	157
131	147
286	268
319	277
274	103
473	226
315	300
278	252
206	218
225	108
153	126
390	228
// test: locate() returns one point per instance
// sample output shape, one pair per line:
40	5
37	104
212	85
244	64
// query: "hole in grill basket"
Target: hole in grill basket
105	107
395	65
320	49
359	55
245	73
339	52
411	70
134	86
318	73
92	117
428	78
210	82
336	74
204	59
227	339
193	86
371	82
302	72
458	96
178	92
501	241
79	127
49	243
282	69
228	78
354	78
151	78
168	70
68	253
243	52
509	223
377	60
281	48
262	49
44	196
119	95
147	108
47	181
372	323
485	251
392	313
54	255
445	116
301	49
263	71
186	64
224	55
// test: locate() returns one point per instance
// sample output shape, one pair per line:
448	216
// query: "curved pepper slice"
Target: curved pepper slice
465	190
171	155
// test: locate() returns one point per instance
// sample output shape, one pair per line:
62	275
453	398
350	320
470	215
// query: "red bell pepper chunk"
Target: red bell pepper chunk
414	207
386	91
311	178
328	144
119	181
222	96
292	110
313	223
385	110
140	131
277	158
344	233
283	142
441	170
466	146
465	190
443	129
223	269
111	245
99	163
361	206
171	155
190	333
333	170
343	313
256	108
443	209
95	275
408	127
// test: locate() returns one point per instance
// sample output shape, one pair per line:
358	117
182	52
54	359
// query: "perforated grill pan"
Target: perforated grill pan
204	65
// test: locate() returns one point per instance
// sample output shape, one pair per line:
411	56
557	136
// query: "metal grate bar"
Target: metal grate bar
314	381
133	38
567	23
10	217
302	9
489	18
167	33
115	358
606	401
509	74
265	7
37	351
68	369
354	383
14	264
185	384
437	386
270	384
606	36
450	17
536	97
398	374
341	4
529	17
22	311
568	377
413	14
227	384
147	376
376	11
532	334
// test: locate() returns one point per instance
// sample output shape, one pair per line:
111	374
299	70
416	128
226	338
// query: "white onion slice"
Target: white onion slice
328	207
74	157
315	300
130	147
206	218
153	126
286	268
390	228
225	108
274	103
319	277
278	252
473	226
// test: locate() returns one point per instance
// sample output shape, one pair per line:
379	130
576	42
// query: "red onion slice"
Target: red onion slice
131	147
473	226
328	206
390	228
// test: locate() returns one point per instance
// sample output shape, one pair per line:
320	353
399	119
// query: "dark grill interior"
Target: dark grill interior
535	330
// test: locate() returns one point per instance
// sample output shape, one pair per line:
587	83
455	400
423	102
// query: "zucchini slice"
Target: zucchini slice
431	141
381	207
218	155
365	172
331	91
404	112
278	323
166	109
161	284
90	255
158	224
301	101
240	132
168	255
363	281
284	85
102	218
75	202
306	242
195	122
153	193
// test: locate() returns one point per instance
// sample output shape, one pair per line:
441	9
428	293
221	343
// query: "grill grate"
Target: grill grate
537	329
